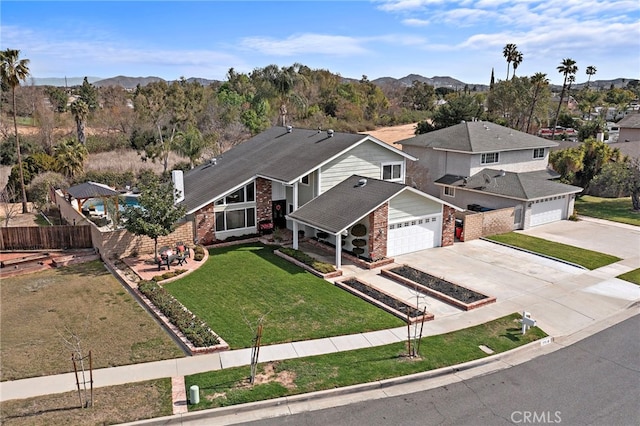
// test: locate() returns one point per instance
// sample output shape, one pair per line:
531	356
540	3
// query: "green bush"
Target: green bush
322	267
197	331
198	253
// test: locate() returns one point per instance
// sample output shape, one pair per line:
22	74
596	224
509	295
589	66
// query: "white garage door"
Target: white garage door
417	234
547	211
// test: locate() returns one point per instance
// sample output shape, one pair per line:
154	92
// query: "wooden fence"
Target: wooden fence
45	237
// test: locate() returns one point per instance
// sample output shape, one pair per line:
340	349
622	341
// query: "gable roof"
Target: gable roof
522	186
477	137
282	154
346	203
630	121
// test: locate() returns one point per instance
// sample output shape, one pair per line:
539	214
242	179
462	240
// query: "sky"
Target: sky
462	39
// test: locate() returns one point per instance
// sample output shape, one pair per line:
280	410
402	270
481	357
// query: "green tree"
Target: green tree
57	98
420	96
511	54
39	188
157	214
88	94
460	108
191	144
70	156
13	71
517	60
568	68
540	90
80	111
591	70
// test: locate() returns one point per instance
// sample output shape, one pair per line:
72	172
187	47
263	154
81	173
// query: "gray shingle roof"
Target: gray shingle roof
346	203
275	154
477	137
90	190
631	121
521	186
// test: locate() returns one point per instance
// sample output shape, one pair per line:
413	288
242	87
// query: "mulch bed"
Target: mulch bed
384	298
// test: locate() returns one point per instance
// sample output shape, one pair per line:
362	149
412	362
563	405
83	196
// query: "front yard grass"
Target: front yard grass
239	285
295	376
41	310
631	276
614	209
112	405
587	258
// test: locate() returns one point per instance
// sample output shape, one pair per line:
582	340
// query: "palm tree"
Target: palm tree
591	70
539	81
70	156
510	52
517	60
80	110
568	68
14	71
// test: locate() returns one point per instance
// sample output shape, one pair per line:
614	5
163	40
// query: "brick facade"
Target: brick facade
205	225
448	225
477	225
263	200
378	232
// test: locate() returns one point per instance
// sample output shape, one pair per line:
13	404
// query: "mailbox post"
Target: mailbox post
527	321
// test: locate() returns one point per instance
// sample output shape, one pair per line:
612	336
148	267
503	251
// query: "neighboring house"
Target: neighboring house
261	183
629	128
484	166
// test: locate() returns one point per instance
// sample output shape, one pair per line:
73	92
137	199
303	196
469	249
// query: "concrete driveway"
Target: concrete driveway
561	297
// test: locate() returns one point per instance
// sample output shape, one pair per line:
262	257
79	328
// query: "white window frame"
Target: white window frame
495	158
538	153
303	178
449	191
392	164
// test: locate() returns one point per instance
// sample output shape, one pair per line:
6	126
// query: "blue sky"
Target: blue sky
457	38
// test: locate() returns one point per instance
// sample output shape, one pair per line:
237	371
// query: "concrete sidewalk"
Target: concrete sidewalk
564	300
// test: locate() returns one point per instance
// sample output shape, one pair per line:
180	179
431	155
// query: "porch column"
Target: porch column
338	251
295	235
295	196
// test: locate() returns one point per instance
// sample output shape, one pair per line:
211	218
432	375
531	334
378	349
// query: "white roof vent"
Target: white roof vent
330	133
362	182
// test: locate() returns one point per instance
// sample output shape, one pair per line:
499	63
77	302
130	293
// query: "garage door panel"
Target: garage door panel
419	234
547	211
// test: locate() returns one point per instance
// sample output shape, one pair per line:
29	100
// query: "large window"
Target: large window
538	153
490	158
235	219
242	195
392	171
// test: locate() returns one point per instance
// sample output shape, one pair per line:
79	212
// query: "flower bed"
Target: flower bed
439	288
320	269
384	300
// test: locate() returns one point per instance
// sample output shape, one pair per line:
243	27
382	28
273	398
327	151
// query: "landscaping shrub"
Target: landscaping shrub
169	274
197	331
198	253
317	265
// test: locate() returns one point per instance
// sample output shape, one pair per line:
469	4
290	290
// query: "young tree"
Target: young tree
540	84
13	71
568	68
156	215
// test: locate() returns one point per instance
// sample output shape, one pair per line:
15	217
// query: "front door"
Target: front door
279	209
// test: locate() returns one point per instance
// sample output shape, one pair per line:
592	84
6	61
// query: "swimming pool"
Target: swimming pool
96	204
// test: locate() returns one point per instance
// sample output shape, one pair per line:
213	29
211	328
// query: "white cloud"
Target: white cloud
412	22
297	44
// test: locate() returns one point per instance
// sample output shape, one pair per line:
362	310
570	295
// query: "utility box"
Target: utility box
194	395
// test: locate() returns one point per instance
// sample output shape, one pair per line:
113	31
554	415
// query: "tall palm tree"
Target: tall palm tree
568	68
80	110
509	52
539	81
517	60
591	70
14	71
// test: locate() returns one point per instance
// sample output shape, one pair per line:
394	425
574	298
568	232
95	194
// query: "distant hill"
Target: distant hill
398	83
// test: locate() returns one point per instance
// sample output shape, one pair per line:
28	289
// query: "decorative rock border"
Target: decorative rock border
343	285
334	274
437	294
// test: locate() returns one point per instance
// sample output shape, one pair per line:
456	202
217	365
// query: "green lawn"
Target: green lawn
302	375
241	284
614	209
631	276
587	258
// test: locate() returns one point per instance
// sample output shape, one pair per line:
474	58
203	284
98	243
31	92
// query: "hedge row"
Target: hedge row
322	267
197	331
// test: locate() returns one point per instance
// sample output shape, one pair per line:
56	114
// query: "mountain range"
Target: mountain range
436	81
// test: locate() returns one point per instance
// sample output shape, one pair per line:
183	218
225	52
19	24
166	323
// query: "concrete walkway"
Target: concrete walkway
564	300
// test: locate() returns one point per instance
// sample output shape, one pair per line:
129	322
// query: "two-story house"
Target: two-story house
323	183
483	166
